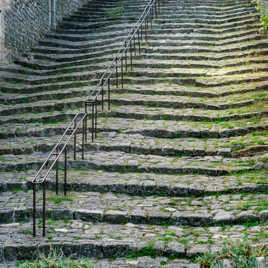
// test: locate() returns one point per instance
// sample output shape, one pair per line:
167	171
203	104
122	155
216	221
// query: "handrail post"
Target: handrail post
102	95
44	208
134	43
109	94
126	55
130	51
75	139
96	117
86	113
65	170
92	120
83	138
116	71
34	208
122	78
57	172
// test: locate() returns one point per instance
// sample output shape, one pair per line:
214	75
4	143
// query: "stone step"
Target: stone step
49	114
102	240
144	184
85	27
82	35
94	39
139	144
129	162
187	90
59	68
152	128
171	46
28	89
172	10
218	103
61	45
194	19
179	15
121	208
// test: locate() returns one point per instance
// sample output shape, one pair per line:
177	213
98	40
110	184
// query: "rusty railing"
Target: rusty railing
131	46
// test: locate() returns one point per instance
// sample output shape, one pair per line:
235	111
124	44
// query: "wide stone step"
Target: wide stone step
121	208
58	112
68	45
207	21
167	46
28	89
152	36
187	90
82	35
144	184
218	103
87	27
102	240
139	63
129	162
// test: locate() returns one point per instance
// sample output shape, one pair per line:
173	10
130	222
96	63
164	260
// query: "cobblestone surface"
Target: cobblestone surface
180	161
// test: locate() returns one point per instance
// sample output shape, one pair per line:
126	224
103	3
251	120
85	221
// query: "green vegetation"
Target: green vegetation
55	259
240	254
115	13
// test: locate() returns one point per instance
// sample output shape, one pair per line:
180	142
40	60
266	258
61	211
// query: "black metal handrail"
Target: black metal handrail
120	61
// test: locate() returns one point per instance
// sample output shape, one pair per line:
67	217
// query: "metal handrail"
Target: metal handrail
134	36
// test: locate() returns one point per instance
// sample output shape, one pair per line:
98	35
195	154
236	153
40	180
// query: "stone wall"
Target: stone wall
24	22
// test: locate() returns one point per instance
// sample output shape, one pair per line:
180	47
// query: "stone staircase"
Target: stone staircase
180	162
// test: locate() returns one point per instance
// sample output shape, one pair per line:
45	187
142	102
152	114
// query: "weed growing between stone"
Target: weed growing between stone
55	259
240	255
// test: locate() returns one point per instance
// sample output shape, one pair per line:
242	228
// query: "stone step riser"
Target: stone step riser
171	10
170	23
193	82
151	37
83	68
158	133
179	16
69	116
192	93
45	88
96	216
77	35
170	104
117	101
197	47
83	164
97	249
170	42
46	148
159	57
135	189
183	19
147	51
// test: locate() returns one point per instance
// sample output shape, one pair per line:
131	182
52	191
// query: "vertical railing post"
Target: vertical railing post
122	78
109	94
57	171
96	117
34	208
92	120
134	43
44	207
126	55
75	139
83	137
116	71
102	95
65	170
86	113
130	51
